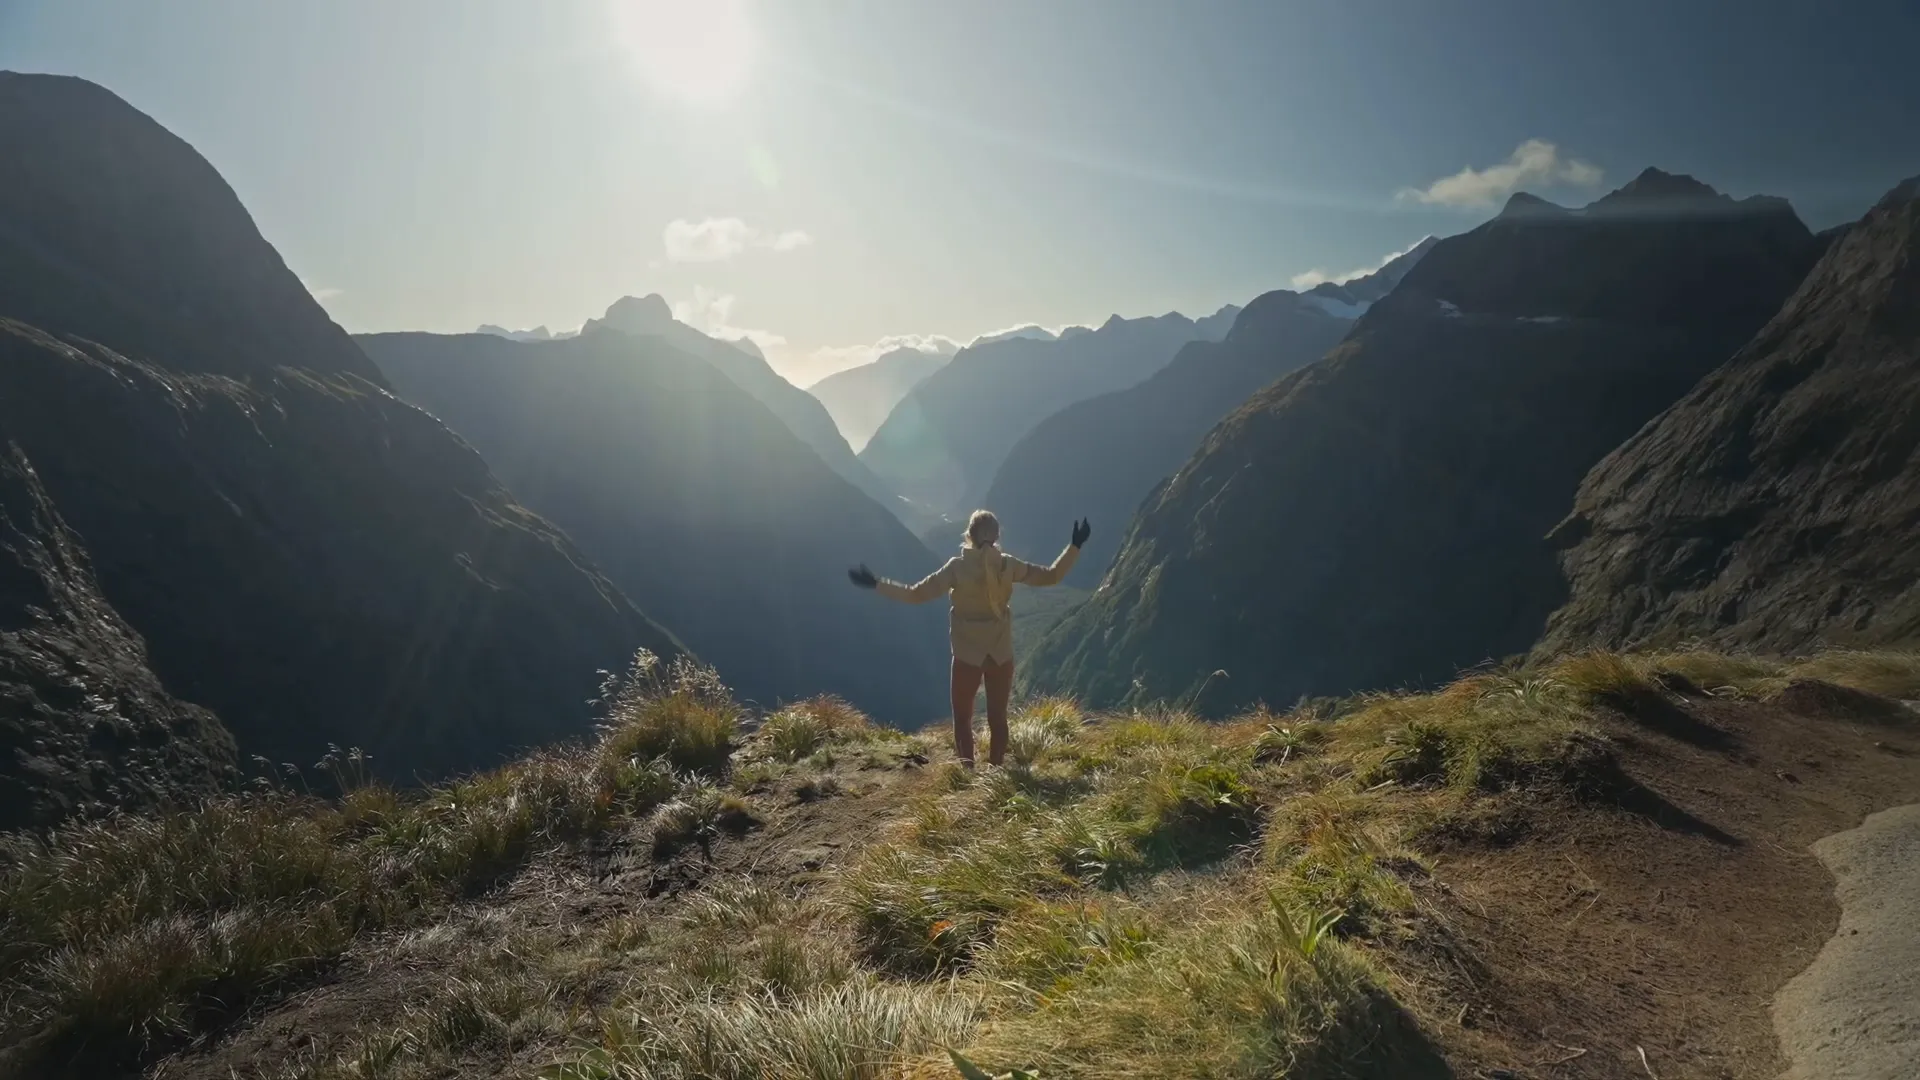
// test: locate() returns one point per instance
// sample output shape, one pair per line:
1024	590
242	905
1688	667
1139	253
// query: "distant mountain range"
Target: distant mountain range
538	333
212	498
1378	518
1100	457
1775	507
860	398
944	441
699	503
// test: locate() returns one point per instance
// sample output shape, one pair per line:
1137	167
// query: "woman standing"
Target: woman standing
981	581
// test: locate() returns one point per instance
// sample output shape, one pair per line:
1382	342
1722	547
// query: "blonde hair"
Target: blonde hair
980	523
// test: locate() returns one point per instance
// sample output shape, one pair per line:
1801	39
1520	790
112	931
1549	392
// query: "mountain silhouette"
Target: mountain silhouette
1102	456
698	502
1773	507
1378	518
743	362
300	552
942	444
860	398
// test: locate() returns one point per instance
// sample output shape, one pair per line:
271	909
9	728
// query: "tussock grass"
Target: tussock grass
680	712
127	934
863	1029
1887	673
804	730
1133	895
1263	994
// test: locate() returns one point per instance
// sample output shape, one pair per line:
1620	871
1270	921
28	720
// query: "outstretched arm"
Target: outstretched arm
931	587
1040	576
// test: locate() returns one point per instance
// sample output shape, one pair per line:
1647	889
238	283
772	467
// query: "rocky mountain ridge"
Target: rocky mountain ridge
1378	518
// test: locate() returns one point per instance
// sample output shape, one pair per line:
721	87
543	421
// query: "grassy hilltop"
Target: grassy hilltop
1528	866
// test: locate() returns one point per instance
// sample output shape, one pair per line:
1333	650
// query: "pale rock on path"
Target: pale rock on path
1854	1013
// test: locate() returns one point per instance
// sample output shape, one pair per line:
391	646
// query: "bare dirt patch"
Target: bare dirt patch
1663	926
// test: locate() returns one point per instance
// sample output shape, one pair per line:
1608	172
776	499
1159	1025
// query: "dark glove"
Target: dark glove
1081	530
862	577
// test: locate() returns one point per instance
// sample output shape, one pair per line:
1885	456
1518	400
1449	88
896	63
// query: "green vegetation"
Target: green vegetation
1135	895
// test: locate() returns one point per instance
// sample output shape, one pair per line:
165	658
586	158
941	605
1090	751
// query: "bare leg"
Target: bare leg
966	683
999	691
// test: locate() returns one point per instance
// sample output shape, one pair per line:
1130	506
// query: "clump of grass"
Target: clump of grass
863	1029
1043	949
699	814
680	712
122	936
1717	672
1885	672
1603	676
797	731
916	912
1284	739
1041	726
1481	732
1261	994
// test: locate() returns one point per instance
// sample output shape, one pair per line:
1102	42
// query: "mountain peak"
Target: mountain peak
1657	184
638	312
1525	203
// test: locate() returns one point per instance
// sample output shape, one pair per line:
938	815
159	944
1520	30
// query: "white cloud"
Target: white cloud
720	239
321	293
1317	276
1536	161
831	358
711	312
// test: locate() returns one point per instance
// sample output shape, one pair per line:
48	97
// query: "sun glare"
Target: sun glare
697	50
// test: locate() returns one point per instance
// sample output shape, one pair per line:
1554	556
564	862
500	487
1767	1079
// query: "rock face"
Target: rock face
303	553
699	503
1100	457
742	362
1777	505
943	443
1378	518
85	725
860	398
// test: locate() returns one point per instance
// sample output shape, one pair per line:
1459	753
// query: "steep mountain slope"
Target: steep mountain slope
860	398
1378	518
1100	457
302	553
167	259
1776	506
743	362
84	723
699	503
943	443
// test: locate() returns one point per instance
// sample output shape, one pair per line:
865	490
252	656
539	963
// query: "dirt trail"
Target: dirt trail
1667	926
1855	1013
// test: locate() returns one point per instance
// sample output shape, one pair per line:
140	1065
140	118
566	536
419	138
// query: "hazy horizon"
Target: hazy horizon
837	178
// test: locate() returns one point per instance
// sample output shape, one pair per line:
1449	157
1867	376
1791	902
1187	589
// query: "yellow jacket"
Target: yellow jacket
981	581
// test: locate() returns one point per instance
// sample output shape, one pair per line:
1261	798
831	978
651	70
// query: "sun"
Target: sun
698	50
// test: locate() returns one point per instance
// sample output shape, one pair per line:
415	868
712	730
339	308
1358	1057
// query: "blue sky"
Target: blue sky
846	172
